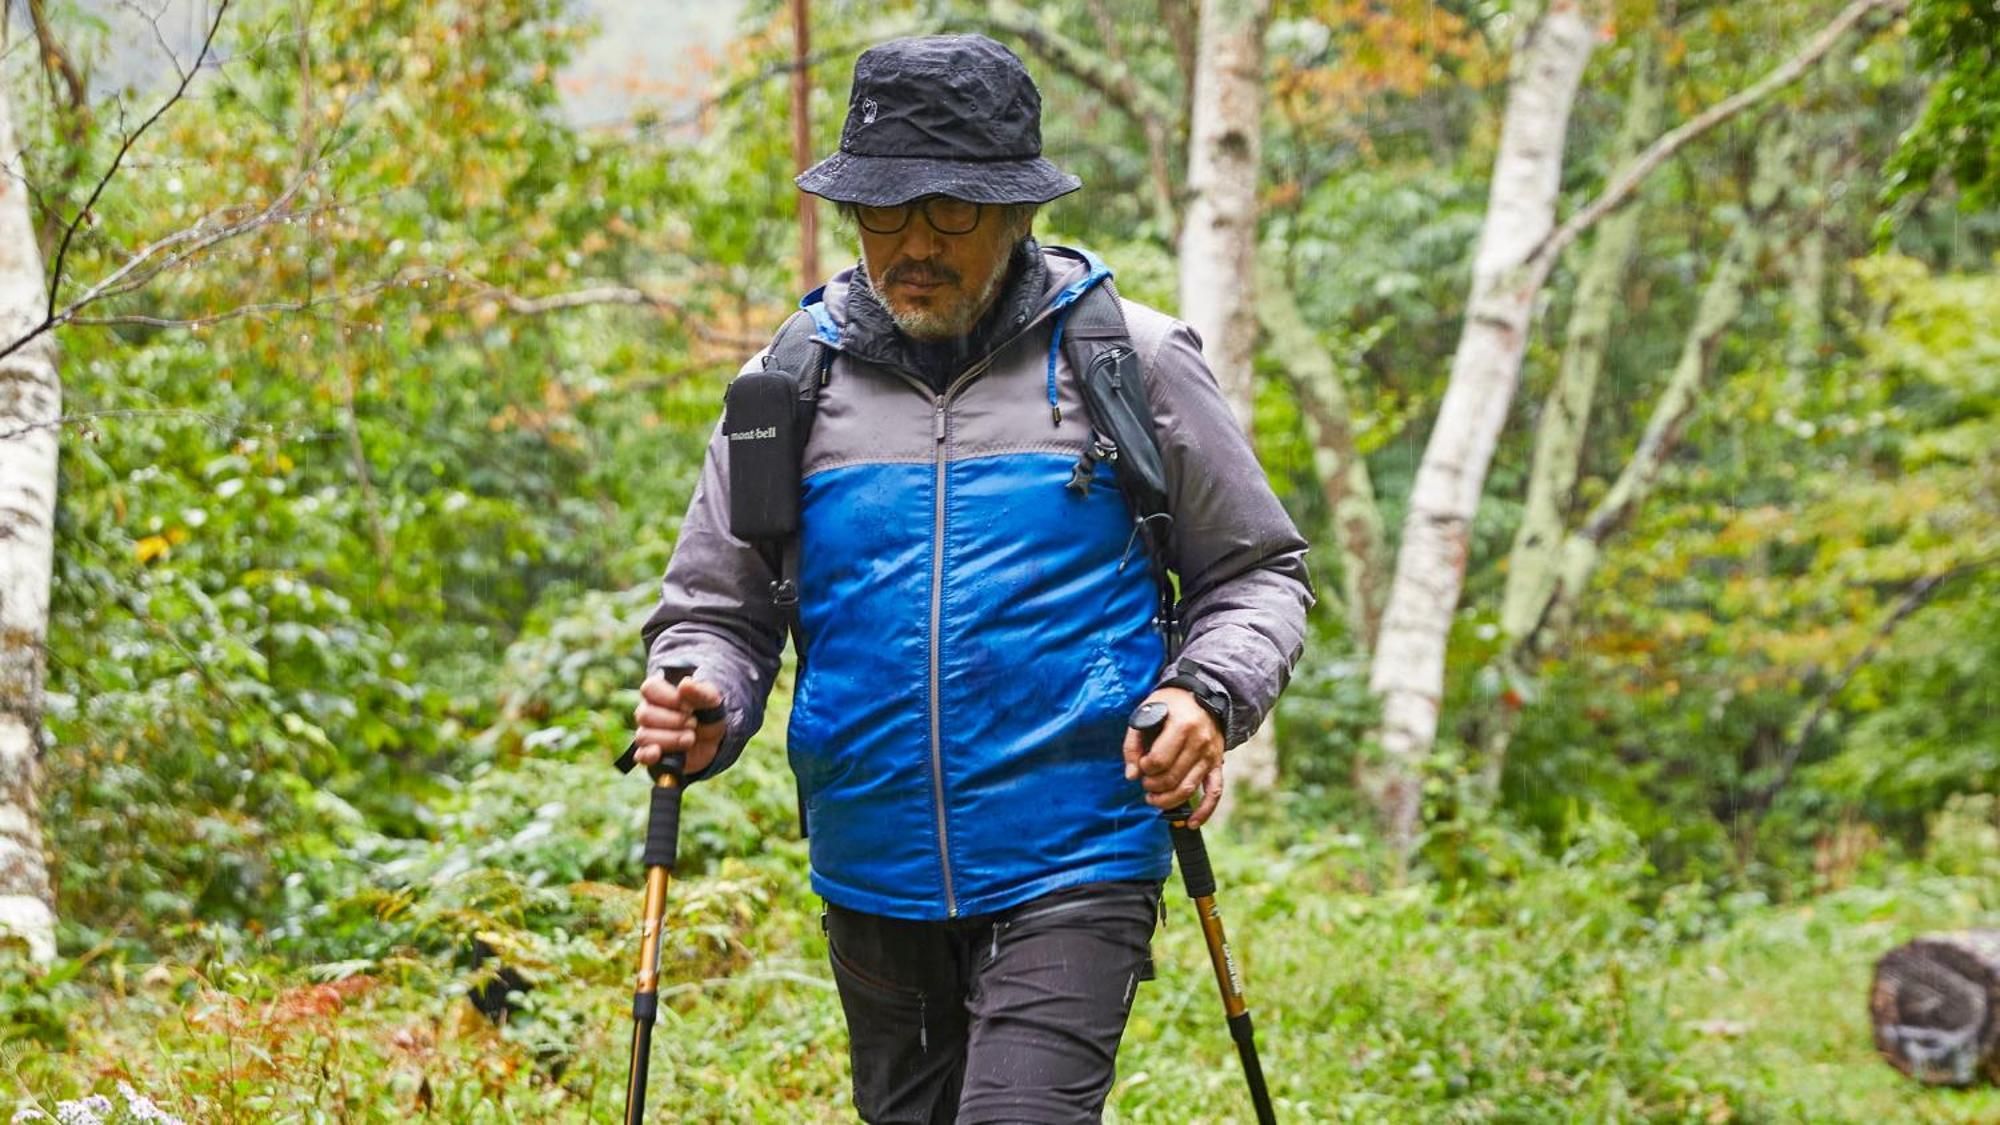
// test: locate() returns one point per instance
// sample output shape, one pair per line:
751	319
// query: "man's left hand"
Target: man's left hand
1186	753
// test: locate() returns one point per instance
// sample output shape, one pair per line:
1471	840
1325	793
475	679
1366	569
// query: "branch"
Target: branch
1158	158
1150	110
1338	465
187	77
1721	301
55	59
214	420
149	261
605	293
1082	63
403	277
1912	600
1623	183
1180	22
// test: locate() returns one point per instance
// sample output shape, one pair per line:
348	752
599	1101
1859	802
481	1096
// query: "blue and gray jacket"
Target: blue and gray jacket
976	632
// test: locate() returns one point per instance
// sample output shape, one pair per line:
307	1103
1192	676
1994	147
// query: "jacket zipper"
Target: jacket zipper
940	430
940	407
937	616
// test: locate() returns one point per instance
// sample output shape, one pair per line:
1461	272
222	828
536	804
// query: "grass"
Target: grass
1795	981
1554	998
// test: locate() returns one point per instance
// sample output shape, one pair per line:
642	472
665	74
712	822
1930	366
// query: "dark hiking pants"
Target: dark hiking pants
1007	1017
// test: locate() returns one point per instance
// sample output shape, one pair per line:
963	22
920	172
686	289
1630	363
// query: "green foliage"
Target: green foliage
1956	134
280	595
37	1002
1773	570
1556	994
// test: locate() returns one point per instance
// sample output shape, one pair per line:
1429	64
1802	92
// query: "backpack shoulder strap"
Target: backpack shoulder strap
1097	344
1111	381
801	350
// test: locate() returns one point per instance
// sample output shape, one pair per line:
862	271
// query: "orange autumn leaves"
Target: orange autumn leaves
1373	49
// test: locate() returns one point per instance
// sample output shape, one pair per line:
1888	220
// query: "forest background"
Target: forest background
1651	694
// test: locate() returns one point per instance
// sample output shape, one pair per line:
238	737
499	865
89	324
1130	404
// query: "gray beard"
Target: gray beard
942	324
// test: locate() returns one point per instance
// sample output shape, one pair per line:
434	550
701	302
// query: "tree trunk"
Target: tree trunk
1935	1006
1408	671
1565	419
1218	247
1337	462
1721	301
30	406
1559	433
802	150
1102	67
1548	607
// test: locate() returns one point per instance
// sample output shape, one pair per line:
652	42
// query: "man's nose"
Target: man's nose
920	241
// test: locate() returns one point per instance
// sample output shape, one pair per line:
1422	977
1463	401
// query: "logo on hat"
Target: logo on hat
868	108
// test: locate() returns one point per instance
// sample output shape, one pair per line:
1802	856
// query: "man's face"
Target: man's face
937	285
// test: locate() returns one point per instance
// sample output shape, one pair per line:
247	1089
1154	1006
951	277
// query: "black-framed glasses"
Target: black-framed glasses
945	215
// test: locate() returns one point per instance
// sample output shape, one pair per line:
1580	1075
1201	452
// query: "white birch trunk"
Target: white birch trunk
1218	248
1408	670
30	404
1557	462
1517	247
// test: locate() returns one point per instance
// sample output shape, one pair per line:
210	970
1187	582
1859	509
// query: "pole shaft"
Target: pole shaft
649	933
646	989
1220	957
1199	876
635	1089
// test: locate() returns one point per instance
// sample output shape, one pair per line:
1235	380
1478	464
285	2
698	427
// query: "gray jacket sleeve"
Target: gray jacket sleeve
715	611
1243	579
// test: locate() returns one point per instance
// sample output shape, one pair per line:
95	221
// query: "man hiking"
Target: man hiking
976	610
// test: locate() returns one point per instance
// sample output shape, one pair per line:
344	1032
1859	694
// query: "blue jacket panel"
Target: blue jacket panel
1044	643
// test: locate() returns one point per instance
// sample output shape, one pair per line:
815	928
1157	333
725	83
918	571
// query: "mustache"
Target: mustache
920	273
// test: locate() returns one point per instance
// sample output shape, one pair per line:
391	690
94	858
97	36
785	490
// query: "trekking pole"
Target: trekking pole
662	843
1199	878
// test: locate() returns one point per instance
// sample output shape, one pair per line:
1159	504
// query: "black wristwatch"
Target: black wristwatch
1212	698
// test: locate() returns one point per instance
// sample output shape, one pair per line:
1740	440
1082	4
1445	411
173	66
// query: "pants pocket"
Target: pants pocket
905	1047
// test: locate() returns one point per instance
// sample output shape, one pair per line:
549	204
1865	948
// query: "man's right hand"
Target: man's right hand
665	721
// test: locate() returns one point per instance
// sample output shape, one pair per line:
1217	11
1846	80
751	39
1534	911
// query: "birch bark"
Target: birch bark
1218	244
1518	245
1218	248
1550	605
30	404
1408	670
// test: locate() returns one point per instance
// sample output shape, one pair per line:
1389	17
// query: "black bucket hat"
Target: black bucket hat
949	115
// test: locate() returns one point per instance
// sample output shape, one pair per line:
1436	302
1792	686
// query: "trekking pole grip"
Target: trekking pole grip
663	820
1196	873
